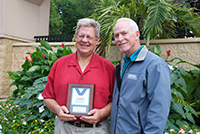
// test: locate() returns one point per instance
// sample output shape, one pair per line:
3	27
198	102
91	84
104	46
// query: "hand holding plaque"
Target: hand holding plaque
80	98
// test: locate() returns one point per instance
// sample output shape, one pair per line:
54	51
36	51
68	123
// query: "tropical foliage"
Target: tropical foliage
184	110
11	122
156	19
30	83
27	109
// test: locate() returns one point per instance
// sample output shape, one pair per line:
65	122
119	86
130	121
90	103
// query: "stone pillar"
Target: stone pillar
6	56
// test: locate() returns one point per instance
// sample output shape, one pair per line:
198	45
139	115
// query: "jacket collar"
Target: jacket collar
142	54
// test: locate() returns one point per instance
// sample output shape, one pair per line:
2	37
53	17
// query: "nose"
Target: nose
85	39
120	37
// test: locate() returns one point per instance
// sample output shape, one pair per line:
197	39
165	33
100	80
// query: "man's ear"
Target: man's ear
97	39
75	36
137	33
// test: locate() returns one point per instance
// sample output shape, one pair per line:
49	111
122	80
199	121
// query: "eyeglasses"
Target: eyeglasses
87	37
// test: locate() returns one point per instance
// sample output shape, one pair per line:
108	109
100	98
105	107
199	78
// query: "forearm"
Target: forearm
52	105
106	110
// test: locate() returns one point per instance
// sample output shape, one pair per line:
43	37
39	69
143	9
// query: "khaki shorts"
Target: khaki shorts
66	128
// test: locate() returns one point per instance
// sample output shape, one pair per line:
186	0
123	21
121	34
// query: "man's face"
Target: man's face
86	40
125	39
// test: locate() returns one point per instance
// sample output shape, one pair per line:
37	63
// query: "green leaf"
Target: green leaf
178	94
46	112
38	48
46	45
39	103
180	123
51	114
26	65
190	118
180	81
20	86
14	83
18	100
38	55
67	51
157	49
193	111
32	117
34	68
182	71
28	95
13	76
175	75
44	68
178	107
170	125
24	101
26	78
53	57
21	112
29	105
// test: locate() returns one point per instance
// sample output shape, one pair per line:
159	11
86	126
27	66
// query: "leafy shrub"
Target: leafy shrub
180	111
185	96
27	105
13	123
185	130
32	101
30	83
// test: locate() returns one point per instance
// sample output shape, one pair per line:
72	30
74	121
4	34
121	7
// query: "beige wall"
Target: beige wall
24	18
186	49
13	56
20	21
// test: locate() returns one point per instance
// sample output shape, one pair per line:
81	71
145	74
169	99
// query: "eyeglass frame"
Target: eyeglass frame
87	37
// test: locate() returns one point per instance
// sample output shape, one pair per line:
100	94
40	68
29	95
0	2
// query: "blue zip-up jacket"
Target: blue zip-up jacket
141	104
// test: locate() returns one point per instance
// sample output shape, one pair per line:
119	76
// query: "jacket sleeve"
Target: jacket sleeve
159	96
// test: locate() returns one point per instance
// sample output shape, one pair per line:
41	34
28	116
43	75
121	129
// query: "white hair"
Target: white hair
89	22
132	23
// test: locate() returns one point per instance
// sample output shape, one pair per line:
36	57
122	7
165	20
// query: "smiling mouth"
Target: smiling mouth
121	43
84	45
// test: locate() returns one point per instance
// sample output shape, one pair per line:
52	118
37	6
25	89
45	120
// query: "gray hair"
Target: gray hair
132	23
89	22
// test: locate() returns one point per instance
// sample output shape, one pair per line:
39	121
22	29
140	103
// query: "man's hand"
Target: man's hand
63	114
94	116
61	111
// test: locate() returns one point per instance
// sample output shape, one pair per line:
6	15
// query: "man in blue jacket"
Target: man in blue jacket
142	94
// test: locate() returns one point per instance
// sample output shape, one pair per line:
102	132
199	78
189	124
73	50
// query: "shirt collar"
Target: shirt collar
133	56
93	62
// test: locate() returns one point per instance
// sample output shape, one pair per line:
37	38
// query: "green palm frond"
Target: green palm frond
156	19
187	18
157	12
107	18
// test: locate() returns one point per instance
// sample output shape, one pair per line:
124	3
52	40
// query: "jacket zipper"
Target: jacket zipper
116	113
119	95
140	122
